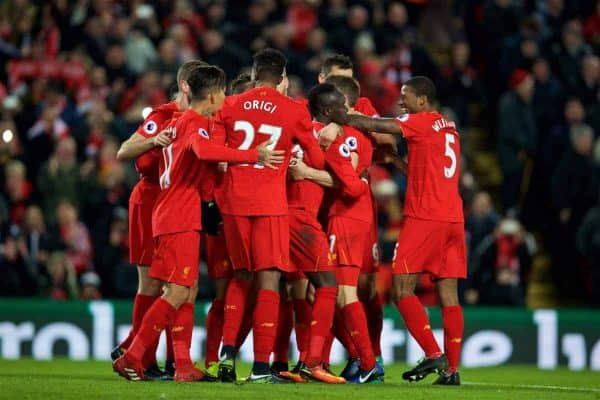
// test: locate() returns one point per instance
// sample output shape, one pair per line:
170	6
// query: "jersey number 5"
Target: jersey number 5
451	154
265	129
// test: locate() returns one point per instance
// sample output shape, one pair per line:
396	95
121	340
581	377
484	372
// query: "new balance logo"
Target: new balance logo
456	340
427	328
157	328
267	324
353	333
186	271
230	307
313	323
177	329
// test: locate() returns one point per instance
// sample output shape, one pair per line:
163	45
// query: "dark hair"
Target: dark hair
348	86
321	96
269	65
336	60
184	72
240	84
205	79
422	86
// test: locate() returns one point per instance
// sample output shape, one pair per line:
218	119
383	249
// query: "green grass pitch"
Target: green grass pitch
63	379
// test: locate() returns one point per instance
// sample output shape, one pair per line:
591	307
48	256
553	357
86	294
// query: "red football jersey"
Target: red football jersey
247	120
433	167
306	194
364	106
360	208
352	187
147	163
178	206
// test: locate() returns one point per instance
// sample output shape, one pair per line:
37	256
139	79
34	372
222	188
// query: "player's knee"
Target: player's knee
221	288
401	291
193	294
323	279
346	295
149	287
243	274
269	280
176	295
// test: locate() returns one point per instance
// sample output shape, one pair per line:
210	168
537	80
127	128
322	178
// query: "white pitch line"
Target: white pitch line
563	388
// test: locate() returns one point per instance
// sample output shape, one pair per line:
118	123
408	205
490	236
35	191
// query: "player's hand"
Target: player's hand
328	134
297	169
161	140
268	156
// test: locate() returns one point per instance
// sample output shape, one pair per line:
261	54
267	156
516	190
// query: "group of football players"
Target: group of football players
278	191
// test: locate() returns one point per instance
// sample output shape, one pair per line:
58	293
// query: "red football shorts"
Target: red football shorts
141	242
309	250
217	258
346	275
258	242
347	240
177	258
371	256
435	247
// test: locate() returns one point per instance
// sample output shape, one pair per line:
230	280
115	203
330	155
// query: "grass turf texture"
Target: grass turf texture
63	379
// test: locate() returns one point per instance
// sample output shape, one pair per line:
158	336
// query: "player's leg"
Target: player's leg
302	313
373	309
323	311
453	267
281	347
237	237
214	325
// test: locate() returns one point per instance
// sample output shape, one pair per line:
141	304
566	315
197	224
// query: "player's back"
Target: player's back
249	119
433	167
178	206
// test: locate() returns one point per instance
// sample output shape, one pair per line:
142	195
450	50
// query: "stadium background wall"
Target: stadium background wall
44	329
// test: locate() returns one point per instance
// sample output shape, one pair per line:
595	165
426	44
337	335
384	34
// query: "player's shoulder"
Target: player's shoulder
364	106
158	117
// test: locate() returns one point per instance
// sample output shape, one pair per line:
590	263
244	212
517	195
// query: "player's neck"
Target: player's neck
202	108
271	85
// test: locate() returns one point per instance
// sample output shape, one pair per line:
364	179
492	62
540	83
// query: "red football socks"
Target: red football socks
343	335
285	324
141	304
454	324
160	314
266	315
303	312
374	311
214	331
356	324
320	324
327	348
417	323
181	330
246	327
235	306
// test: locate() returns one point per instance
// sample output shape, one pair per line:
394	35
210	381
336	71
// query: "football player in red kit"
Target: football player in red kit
254	207
216	256
350	224
176	223
432	238
144	145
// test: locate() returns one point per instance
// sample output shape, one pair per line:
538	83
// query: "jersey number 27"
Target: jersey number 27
273	131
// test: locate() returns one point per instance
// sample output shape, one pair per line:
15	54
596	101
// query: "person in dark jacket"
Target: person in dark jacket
517	135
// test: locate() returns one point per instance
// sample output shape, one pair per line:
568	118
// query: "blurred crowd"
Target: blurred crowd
521	78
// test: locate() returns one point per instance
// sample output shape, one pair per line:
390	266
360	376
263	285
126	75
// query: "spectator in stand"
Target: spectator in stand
574	191
383	93
501	263
113	268
216	51
569	53
74	237
140	53
459	85
343	37
481	221
517	135
59	178
548	96
394	27
589	87
591	27
36	237
167	63
63	279
90	286
17	191
588	244
20	276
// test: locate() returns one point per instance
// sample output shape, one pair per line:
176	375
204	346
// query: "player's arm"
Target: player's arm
137	145
207	151
298	170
